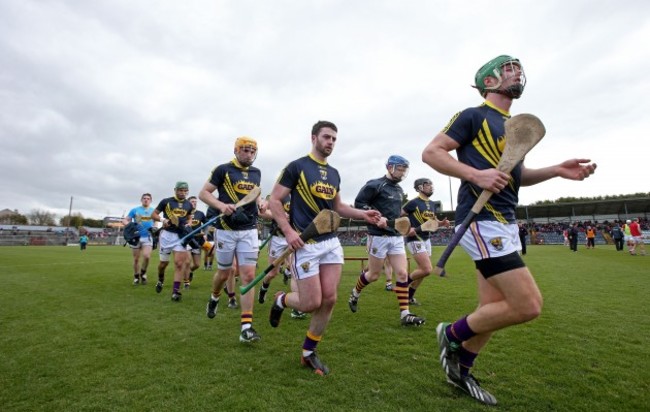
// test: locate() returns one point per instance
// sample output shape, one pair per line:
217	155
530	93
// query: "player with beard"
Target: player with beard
507	292
317	264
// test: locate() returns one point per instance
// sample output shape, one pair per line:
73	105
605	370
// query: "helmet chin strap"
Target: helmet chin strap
514	92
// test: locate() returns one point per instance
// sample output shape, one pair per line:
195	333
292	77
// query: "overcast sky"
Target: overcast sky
105	100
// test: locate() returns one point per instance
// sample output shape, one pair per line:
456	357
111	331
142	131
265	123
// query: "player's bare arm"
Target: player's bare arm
345	210
207	197
278	214
572	169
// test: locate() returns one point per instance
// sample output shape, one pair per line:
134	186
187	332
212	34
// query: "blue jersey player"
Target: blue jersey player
508	294
142	216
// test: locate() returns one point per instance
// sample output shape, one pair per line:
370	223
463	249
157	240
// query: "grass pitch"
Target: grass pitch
76	335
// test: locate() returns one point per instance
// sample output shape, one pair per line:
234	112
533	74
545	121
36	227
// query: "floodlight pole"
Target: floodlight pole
67	229
451	196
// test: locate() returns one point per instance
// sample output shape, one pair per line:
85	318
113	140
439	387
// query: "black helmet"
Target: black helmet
417	185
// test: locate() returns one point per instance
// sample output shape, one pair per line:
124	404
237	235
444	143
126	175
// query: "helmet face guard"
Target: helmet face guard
245	145
396	164
501	68
418	185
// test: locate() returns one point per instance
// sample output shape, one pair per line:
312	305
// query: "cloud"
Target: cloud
106	100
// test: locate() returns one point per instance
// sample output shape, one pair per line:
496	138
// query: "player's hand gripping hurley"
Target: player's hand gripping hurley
249	198
326	221
523	132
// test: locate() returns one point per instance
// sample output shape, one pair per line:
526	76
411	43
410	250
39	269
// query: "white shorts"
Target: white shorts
419	246
380	246
169	242
489	239
638	239
277	246
144	241
628	238
307	260
243	242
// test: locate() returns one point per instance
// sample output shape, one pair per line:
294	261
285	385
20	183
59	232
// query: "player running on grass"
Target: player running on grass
314	186
420	210
178	215
277	245
236	229
141	215
508	294
385	195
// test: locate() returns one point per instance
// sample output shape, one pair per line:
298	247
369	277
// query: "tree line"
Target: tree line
40	217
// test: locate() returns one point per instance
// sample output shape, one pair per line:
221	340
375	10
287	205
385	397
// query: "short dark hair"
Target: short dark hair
146	194
321	124
191	197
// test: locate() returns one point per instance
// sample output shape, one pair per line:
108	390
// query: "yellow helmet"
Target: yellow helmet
245	141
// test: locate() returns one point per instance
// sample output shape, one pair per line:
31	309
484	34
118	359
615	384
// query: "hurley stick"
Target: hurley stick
326	221
249	198
523	132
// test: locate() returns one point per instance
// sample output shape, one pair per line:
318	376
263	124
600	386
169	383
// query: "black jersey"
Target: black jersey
419	210
384	195
480	131
233	182
178	212
198	218
314	185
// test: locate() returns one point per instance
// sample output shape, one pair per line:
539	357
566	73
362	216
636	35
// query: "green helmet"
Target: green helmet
494	68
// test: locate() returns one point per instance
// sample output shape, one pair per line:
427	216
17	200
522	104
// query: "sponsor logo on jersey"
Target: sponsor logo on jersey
244	187
323	190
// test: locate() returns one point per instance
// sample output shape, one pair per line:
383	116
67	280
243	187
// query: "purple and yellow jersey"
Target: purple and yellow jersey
419	210
314	185
480	131
233	182
198	218
178	212
142	216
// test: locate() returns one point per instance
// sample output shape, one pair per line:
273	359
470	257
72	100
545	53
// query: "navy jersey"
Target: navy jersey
384	195
178	212
419	210
480	131
233	182
314	185
198	218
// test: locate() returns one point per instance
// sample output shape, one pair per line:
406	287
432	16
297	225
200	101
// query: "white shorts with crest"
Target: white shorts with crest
169	242
419	246
277	246
307	260
489	239
243	242
380	246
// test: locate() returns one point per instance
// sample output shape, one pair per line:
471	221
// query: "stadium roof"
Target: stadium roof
597	210
621	208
